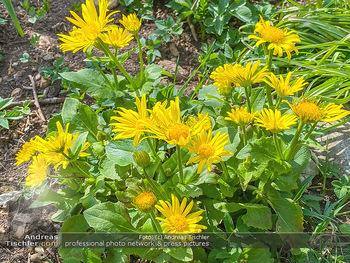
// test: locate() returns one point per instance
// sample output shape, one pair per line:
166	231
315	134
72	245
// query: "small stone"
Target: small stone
14	64
37	76
44	83
174	50
170	66
20	232
16	92
48	57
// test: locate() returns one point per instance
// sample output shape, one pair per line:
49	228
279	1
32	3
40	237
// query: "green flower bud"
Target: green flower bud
141	159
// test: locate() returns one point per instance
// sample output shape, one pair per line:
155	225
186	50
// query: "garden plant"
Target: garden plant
145	158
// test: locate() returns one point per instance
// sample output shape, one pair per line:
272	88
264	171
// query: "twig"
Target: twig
36	101
193	30
54	100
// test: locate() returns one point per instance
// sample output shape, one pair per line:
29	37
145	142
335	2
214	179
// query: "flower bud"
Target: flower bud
141	159
145	201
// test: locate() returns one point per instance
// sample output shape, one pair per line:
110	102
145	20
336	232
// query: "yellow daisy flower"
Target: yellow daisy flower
56	146
192	121
274	121
209	149
178	219
277	38
130	124
37	171
26	153
131	23
310	111
87	28
117	38
282	86
248	75
224	78
240	116
145	201
166	124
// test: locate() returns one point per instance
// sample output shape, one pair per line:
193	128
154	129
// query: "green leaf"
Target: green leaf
81	118
182	254
4	122
257	255
258	99
290	215
5	102
120	151
258	216
94	83
78	144
243	13
108	169
109	217
41	13
115	255
74	224
228	223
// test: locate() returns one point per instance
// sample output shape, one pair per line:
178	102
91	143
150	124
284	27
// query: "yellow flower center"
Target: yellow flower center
178	222
206	150
177	131
145	200
308	111
272	34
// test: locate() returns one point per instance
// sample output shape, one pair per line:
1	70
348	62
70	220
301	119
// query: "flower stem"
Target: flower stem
155	222
278	147
244	132
267	87
156	190
292	147
225	172
106	50
100	70
246	90
82	171
179	161
140	55
278	103
156	156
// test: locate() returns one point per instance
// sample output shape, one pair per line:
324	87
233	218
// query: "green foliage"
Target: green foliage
36	14
76	7
24	58
55	71
8	5
342	186
168	27
34	40
15	114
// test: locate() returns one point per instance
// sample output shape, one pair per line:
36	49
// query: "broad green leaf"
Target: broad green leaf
4	122
228	223
120	151
257	255
258	216
115	255
182	254
81	118
258	99
94	83
108	169
5	102
109	217
290	215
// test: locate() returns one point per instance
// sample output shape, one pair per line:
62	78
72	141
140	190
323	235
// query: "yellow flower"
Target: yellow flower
208	149
274	121
130	124
145	201
192	121
224	78
282	86
55	147
248	75
166	124
178	219
26	153
277	38
240	116
131	23
87	28
37	171
309	111
117	38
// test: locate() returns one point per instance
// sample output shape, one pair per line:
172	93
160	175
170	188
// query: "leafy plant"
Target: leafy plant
15	114
24	58
76	7
25	4
8	5
34	40
38	14
152	46
342	186
55	71
168	27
